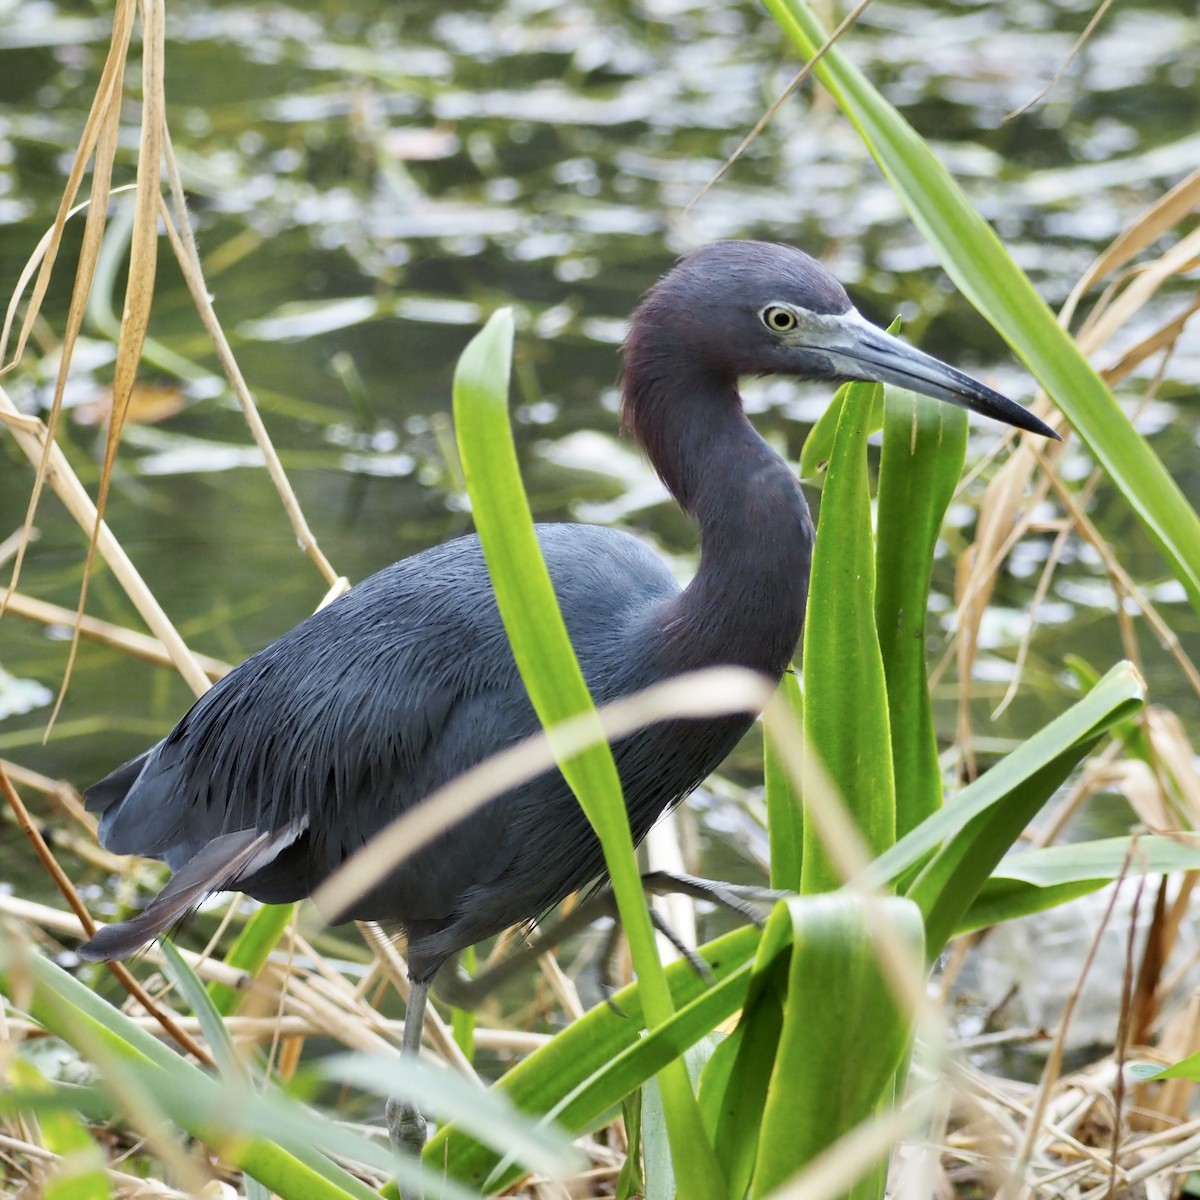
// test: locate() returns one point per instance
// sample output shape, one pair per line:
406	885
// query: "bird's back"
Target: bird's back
319	740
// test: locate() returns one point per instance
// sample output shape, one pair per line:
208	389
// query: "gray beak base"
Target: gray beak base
860	350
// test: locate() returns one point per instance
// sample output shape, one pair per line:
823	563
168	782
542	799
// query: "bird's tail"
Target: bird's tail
218	867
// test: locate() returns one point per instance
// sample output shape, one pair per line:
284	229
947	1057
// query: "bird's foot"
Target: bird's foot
407	1129
739	898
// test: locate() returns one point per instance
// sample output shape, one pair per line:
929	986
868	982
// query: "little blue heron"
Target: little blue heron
295	759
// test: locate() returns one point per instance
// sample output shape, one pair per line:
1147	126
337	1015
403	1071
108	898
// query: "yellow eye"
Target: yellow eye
778	319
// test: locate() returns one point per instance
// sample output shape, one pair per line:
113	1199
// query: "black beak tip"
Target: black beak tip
1038	426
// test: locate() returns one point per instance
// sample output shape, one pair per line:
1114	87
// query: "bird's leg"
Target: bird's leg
405	1124
737	897
465	992
612	943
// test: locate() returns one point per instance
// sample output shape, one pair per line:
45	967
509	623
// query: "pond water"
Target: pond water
369	181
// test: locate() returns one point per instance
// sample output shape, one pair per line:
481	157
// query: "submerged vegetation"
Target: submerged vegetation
818	1054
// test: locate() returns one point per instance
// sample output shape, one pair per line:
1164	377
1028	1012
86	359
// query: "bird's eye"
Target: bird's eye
779	319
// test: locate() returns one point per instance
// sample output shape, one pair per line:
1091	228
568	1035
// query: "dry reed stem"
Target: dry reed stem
61	795
1167	637
187	254
1079	43
67	888
1064	1164
843	27
563	987
31	437
106	633
1121	302
435	1029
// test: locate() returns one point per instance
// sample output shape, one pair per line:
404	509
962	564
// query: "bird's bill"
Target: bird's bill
860	350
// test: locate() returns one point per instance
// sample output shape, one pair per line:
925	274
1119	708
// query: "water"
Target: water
368	182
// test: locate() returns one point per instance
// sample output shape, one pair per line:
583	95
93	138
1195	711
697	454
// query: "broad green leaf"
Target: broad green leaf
845	697
582	1075
818	445
845	1034
1120	693
733	1094
785	812
950	881
924	446
557	690
982	270
250	950
1035	880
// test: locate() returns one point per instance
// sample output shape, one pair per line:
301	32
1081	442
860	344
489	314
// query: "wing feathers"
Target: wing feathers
217	868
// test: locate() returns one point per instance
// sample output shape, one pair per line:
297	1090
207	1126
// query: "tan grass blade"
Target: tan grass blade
1102	324
1000	521
93	235
139	290
1160	218
1159	340
108	89
99	135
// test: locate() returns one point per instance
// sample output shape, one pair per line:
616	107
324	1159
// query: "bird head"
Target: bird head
733	309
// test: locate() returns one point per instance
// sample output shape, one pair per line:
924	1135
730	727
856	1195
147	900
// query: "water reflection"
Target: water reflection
367	183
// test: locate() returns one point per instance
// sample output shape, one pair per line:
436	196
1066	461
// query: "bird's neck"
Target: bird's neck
745	605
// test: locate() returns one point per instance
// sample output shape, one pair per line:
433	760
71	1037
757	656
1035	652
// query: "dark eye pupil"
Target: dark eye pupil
780	319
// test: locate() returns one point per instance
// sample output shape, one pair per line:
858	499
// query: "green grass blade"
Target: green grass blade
924	446
981	268
488	1115
1034	880
205	1011
82	1172
557	690
785	810
250	950
136	1064
462	1020
845	696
